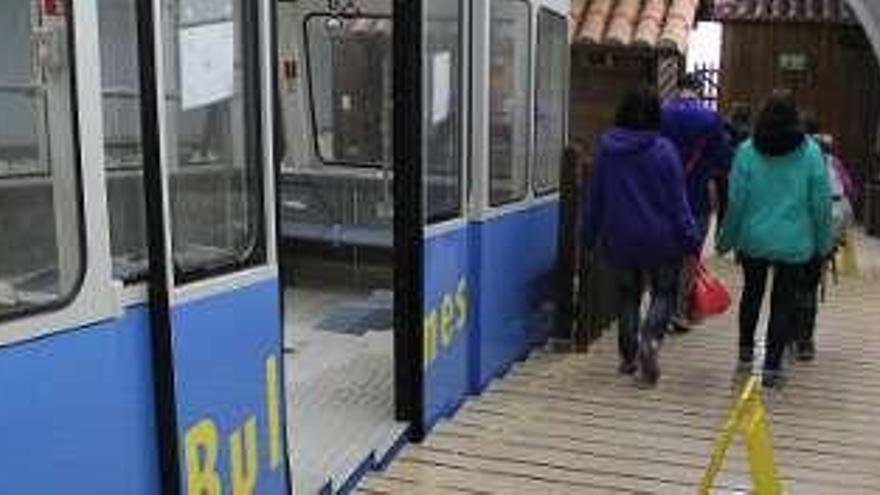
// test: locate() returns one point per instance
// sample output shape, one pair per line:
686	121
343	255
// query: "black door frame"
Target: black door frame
408	218
158	282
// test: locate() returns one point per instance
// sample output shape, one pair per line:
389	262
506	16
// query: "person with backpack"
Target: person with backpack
779	218
636	211
701	140
842	213
842	217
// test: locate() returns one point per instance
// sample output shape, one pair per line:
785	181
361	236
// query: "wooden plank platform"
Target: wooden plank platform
568	423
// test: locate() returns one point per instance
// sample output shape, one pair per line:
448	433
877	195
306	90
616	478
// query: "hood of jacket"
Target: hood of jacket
621	142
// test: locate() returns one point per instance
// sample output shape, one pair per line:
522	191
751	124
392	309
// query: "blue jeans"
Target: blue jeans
663	284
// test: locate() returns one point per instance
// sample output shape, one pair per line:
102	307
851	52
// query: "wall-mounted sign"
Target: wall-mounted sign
794	62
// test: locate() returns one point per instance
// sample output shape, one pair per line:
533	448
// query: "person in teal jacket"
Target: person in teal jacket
779	217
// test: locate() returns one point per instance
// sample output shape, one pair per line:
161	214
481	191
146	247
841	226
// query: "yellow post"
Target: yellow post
748	417
760	449
848	255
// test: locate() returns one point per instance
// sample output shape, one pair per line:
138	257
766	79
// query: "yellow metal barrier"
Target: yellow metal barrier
748	417
847	257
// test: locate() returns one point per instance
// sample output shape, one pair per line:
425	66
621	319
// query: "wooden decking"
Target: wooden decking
568	424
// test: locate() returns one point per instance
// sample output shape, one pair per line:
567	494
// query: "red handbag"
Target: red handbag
709	296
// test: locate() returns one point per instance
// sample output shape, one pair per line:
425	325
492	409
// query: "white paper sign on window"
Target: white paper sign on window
441	82
207	57
205	11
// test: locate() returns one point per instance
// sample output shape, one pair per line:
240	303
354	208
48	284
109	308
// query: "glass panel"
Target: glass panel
212	66
508	101
442	110
117	25
40	224
550	94
350	75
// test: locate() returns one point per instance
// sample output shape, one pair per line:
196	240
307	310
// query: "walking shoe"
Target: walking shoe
744	366
746	360
679	326
627	367
805	351
650	368
773	379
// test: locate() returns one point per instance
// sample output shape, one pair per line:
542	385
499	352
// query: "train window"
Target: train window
41	243
211	49
550	99
442	103
117	28
509	101
349	67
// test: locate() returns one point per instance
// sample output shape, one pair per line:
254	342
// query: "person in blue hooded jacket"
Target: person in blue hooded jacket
637	215
700	136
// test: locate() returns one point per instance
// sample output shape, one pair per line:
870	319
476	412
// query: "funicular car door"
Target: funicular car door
430	158
215	305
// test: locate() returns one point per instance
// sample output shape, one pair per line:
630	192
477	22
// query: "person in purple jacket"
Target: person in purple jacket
702	142
637	215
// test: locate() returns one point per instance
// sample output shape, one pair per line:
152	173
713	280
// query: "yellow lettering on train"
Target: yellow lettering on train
451	317
447	314
243	458
430	338
201	459
201	446
461	304
273	412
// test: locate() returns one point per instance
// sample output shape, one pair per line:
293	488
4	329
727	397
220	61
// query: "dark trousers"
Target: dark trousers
721	188
808	302
787	285
663	282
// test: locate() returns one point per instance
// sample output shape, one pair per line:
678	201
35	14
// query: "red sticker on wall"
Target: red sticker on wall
289	69
53	8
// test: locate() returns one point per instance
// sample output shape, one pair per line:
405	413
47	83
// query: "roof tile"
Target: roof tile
651	23
827	11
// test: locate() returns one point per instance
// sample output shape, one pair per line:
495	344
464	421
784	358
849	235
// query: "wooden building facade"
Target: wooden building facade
618	45
815	48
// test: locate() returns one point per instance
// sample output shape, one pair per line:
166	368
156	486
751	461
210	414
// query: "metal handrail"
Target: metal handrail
20	88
